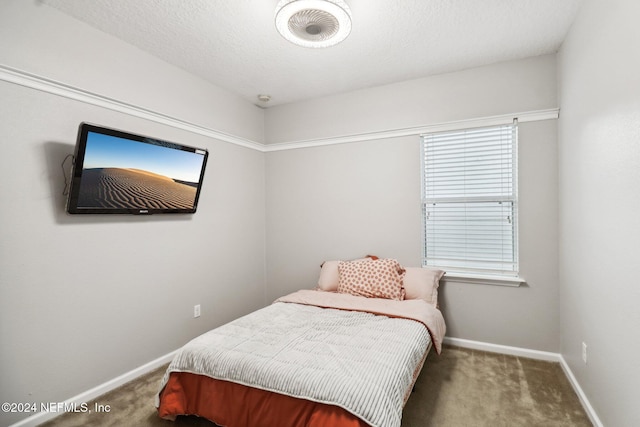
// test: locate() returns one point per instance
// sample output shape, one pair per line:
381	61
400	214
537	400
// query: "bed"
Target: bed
312	358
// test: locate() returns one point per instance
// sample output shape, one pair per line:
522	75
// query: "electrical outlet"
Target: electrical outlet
196	310
584	352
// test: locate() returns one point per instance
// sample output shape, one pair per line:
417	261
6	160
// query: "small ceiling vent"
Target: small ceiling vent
313	23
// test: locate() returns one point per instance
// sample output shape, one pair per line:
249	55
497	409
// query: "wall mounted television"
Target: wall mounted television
117	172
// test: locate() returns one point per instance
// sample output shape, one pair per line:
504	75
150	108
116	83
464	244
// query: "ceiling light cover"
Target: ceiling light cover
313	23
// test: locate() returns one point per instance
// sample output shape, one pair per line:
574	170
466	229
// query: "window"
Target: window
469	200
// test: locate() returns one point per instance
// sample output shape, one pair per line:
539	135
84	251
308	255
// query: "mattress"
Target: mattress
306	357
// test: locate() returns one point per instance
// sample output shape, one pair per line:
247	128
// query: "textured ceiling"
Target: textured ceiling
234	43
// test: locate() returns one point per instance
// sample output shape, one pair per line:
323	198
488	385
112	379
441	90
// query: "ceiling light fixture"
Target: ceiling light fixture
313	23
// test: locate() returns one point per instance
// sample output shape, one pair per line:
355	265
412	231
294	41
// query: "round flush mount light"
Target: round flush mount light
313	23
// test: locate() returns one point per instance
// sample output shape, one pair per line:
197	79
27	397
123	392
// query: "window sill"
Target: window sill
483	280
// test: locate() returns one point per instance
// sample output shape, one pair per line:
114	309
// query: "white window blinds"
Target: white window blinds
469	199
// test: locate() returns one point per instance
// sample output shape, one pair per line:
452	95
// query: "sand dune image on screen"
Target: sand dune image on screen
133	189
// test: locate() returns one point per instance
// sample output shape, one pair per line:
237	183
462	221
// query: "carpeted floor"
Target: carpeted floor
459	388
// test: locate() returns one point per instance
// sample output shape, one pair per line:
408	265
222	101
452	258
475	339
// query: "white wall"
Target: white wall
84	299
345	201
505	88
599	205
39	39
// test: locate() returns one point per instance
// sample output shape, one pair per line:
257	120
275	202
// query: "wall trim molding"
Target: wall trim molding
533	354
526	116
98	391
23	78
33	81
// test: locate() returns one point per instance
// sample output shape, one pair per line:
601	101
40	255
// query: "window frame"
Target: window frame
504	277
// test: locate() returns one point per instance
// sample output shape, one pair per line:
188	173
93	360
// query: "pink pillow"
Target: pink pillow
381	278
422	283
328	280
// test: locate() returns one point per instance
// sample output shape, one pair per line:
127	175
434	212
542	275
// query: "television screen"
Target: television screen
123	173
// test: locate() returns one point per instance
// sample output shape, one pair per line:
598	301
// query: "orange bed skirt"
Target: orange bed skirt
235	405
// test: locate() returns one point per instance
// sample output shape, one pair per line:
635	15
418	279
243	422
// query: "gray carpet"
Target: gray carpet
459	388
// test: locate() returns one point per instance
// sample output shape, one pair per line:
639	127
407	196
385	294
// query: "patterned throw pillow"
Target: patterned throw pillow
329	276
381	278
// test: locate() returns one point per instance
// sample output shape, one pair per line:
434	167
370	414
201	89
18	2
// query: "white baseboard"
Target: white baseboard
97	391
533	354
504	349
593	416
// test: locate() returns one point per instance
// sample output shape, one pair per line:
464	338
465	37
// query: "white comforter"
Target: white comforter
362	362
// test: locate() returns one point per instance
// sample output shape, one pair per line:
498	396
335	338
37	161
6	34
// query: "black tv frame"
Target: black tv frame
79	173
